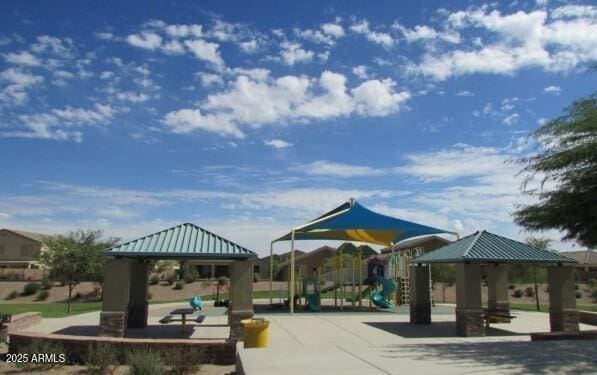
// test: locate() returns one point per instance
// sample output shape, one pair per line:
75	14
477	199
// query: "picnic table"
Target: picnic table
183	312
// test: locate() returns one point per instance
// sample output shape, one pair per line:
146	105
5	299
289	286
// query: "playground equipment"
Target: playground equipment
311	293
196	303
381	298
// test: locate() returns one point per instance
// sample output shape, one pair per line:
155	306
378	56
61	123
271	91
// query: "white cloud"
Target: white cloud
520	40
340	170
360	71
145	39
249	46
132	97
277	143
256	100
293	53
209	79
456	162
17	84
328	33
464	93
183	31
556	90
381	38
58	124
511	119
22	58
333	29
426	33
104	35
57	46
378	98
185	121
206	51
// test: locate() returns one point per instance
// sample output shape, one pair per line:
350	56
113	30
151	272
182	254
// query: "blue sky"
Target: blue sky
249	117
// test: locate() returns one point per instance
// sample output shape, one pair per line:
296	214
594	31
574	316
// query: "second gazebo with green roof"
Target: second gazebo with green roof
492	252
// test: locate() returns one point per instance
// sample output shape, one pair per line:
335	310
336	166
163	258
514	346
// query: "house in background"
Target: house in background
586	268
19	254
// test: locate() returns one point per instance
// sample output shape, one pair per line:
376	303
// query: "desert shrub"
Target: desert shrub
38	347
183	362
154	280
511	286
190	275
149	296
31	288
145	361
529	291
575	286
14	294
256	277
46	283
578	294
179	285
171	279
223	280
517	293
101	359
43	295
592	283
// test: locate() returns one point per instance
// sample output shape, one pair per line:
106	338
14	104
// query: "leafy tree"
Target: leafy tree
76	257
568	164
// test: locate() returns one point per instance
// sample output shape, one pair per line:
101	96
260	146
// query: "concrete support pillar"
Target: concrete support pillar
241	296
138	296
469	320
213	272
497	292
117	277
563	315
420	300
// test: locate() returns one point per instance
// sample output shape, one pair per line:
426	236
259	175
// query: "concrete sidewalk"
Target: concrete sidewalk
381	343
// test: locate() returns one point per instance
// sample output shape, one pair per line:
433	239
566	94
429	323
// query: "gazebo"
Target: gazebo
492	252
126	275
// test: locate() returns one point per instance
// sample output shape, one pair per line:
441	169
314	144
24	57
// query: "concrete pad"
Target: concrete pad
380	343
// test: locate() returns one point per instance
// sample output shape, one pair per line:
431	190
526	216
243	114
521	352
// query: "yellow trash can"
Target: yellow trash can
255	333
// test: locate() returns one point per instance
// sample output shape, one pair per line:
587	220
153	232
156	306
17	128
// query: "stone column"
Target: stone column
213	271
241	296
420	300
138	296
117	277
563	315
497	292
469	321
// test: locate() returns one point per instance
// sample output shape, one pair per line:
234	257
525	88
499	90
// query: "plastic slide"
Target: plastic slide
381	298
314	302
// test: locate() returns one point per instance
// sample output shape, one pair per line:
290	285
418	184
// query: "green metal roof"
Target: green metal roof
184	241
485	247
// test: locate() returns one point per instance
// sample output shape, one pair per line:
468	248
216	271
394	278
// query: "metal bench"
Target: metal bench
487	316
167	319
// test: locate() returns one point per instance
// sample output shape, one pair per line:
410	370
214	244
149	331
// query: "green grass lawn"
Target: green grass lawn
58	310
50	310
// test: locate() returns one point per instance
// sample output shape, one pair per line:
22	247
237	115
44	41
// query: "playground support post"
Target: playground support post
271	272
291	289
360	260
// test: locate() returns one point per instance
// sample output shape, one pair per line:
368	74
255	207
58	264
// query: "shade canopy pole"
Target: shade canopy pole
291	299
271	272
